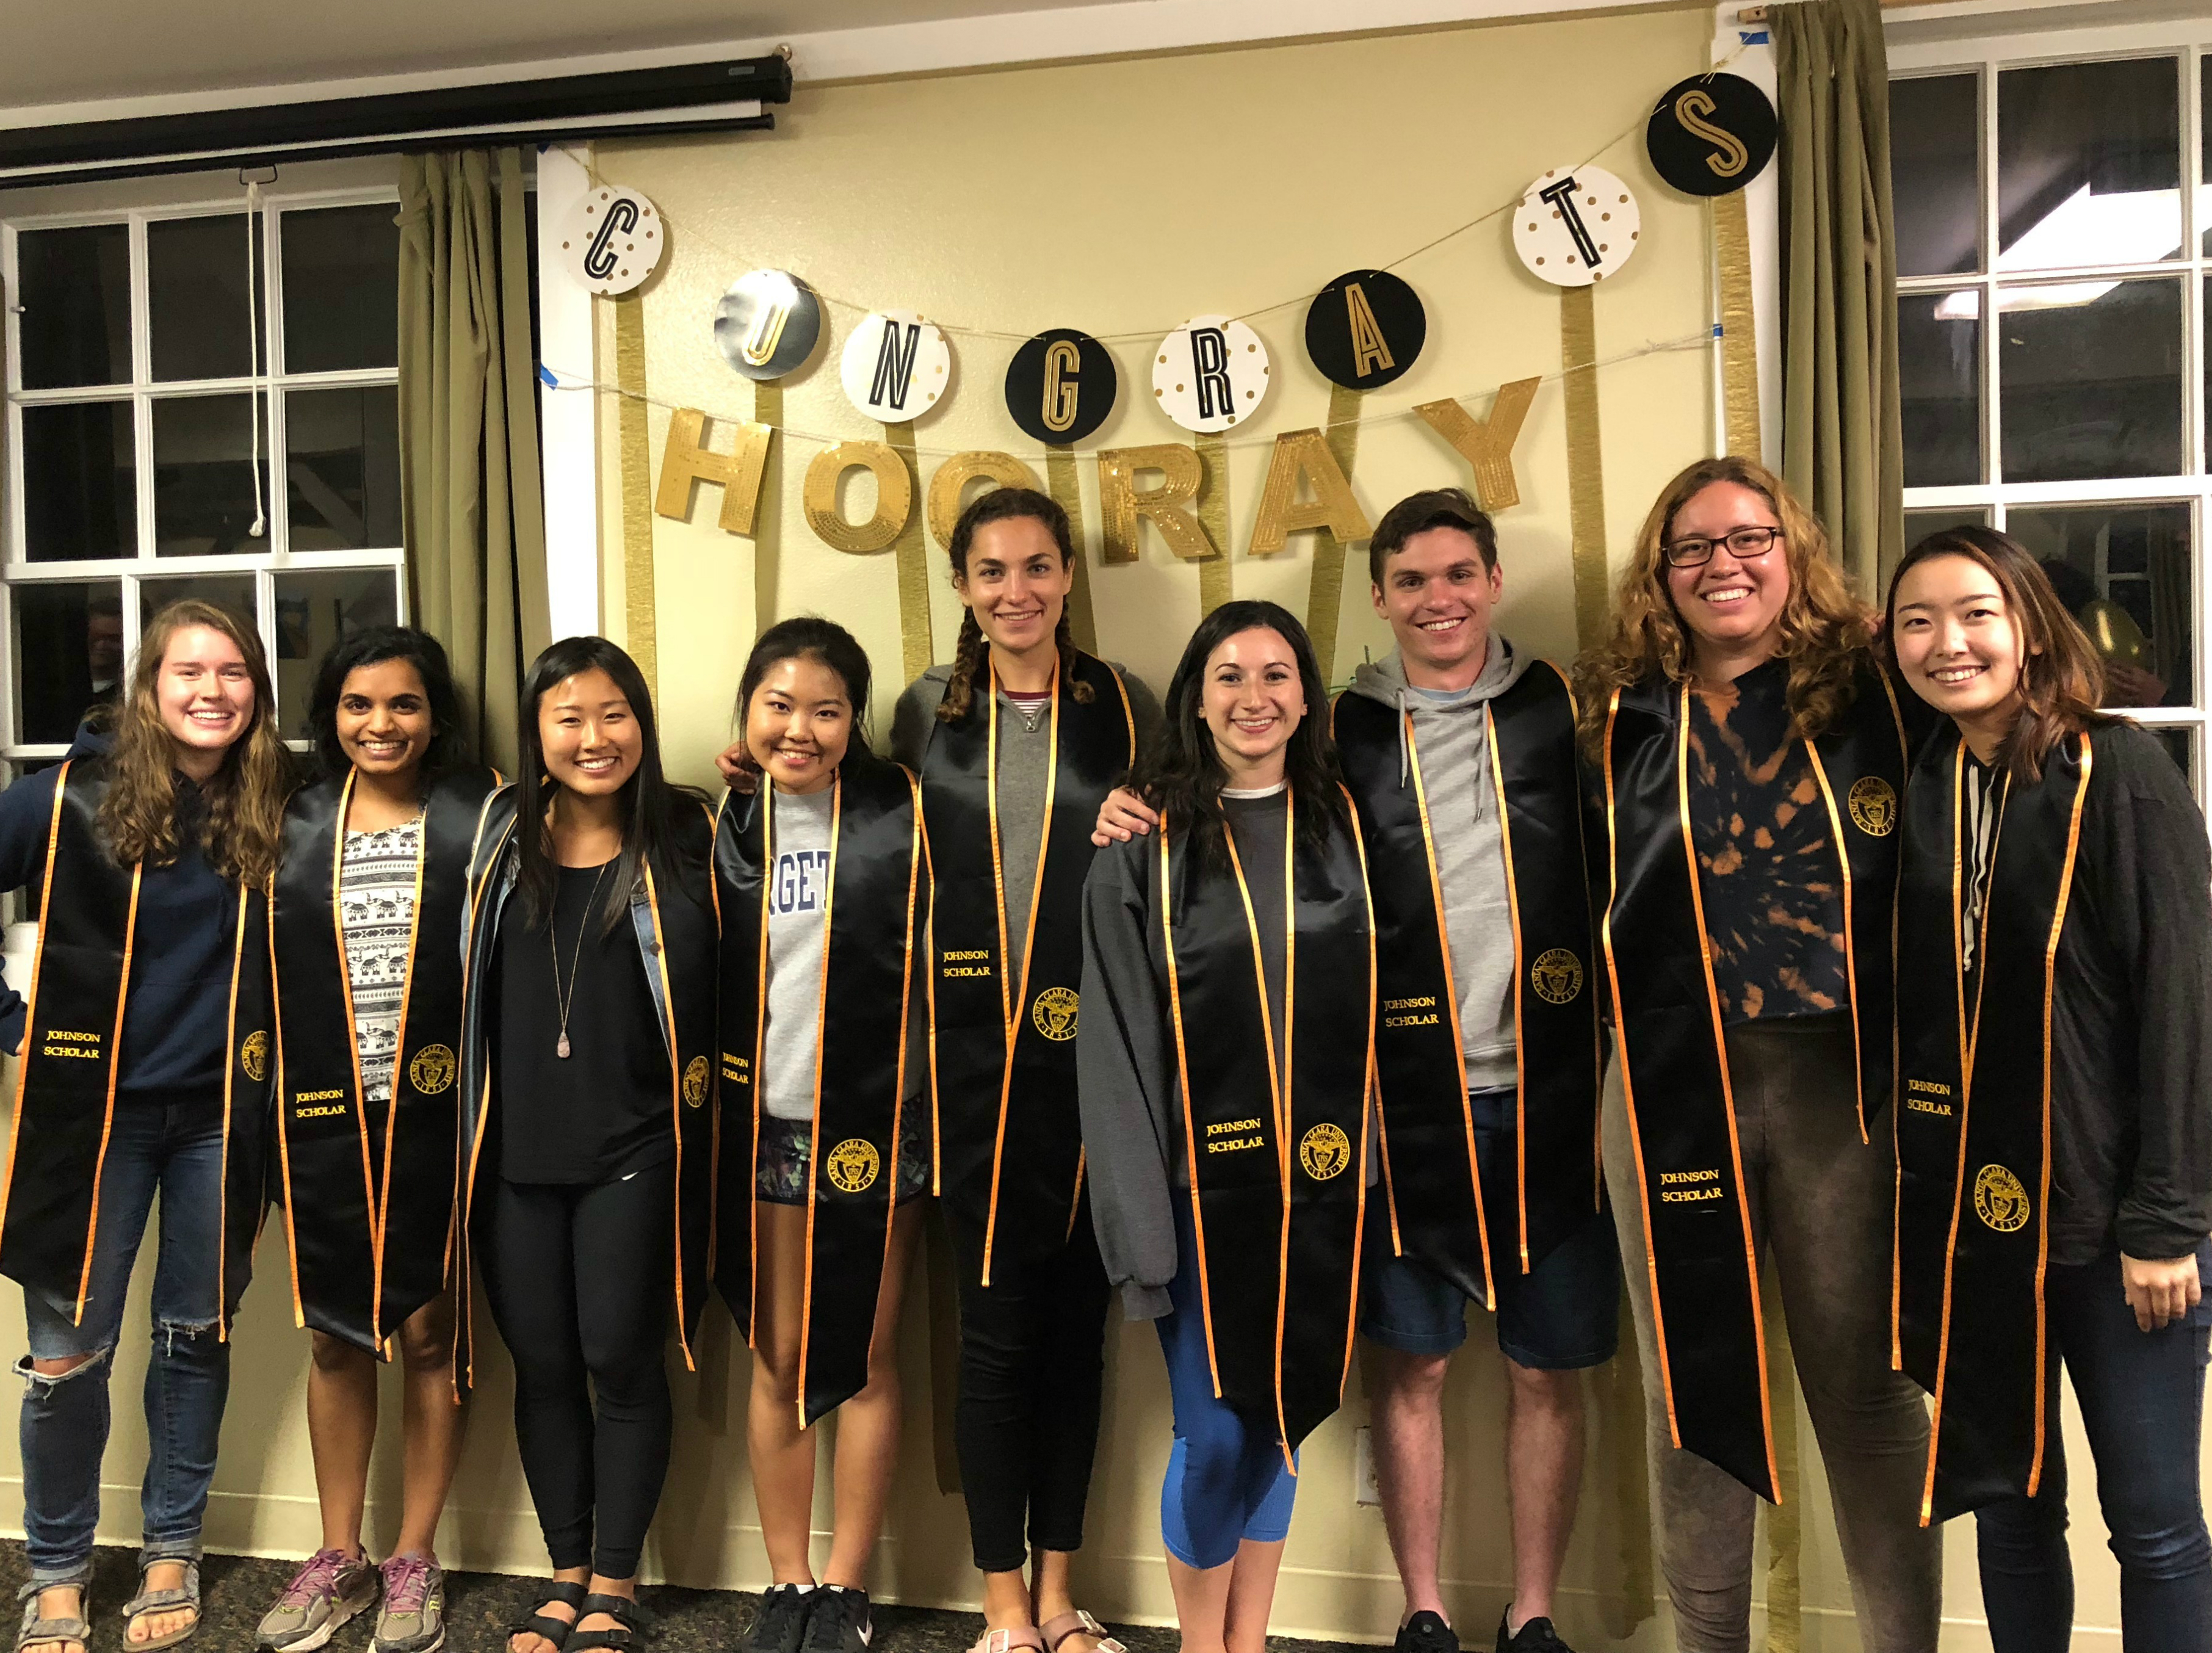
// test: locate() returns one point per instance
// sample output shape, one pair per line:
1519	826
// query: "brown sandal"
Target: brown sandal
1078	1623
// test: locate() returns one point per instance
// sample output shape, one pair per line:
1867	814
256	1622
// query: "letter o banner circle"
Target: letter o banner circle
253	1055
1873	803
2000	1200
1054	1012
1324	1150
1557	975
851	1165
432	1070
695	1073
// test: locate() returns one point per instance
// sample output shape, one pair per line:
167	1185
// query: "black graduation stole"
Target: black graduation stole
876	874
1002	1051
368	1186
1277	1158
1973	1124
1440	1195
66	1079
676	926
1673	1051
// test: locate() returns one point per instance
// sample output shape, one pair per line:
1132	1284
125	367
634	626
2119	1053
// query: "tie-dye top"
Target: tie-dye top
1773	899
376	909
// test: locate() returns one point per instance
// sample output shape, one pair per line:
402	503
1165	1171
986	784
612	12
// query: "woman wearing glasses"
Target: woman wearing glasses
1747	758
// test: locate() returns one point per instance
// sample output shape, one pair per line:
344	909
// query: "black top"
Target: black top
602	1112
1766	858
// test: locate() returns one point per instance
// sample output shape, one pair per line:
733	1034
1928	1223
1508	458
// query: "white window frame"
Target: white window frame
2188	42
269	385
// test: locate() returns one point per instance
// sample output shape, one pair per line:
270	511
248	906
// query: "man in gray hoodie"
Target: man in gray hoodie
1459	753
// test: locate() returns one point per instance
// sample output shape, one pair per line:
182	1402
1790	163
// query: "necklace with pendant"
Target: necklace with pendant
576	959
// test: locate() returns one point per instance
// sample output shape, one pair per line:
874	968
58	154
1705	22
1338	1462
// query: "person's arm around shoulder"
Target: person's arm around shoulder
913	720
27	813
1123	1085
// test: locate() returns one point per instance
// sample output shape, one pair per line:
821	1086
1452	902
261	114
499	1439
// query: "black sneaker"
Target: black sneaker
1426	1632
840	1621
1534	1636
780	1622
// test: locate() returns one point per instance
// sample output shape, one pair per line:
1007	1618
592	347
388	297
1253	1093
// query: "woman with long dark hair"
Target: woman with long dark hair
371	895
587	1125
2054	1139
145	1059
1225	1055
825	1156
1017	742
1747	755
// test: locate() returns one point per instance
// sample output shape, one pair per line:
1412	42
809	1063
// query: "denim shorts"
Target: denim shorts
1562	1315
786	1146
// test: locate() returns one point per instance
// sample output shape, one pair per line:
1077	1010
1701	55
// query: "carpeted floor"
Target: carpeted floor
236	1590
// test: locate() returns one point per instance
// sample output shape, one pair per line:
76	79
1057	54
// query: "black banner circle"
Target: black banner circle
1365	329
1710	133
1061	387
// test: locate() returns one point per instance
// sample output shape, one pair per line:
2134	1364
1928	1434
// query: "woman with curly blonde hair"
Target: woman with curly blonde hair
146	1045
1748	755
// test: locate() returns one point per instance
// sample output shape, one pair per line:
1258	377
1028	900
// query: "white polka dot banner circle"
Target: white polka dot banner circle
1210	374
611	240
1575	226
895	365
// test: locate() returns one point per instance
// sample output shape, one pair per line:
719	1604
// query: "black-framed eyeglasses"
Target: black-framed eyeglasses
1746	541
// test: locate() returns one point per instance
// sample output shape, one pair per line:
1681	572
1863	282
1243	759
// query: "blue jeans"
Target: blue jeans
173	1145
1226	1480
2142	1407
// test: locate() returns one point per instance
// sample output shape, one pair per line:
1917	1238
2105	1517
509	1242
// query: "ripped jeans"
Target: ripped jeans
173	1145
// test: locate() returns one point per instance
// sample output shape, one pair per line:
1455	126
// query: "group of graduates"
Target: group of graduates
1299	1022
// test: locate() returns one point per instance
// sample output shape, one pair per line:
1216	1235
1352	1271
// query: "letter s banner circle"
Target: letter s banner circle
1557	975
2000	1200
1324	1150
851	1165
253	1055
695	1081
432	1070
1873	803
1054	1012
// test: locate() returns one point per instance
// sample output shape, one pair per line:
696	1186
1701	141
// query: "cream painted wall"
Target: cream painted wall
1119	197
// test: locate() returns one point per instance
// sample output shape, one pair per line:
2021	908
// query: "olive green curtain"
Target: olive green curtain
1842	448
468	429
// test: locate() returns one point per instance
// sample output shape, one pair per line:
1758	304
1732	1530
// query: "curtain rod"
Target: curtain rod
1761	13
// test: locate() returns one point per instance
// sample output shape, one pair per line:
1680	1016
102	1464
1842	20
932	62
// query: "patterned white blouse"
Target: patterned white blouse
376	908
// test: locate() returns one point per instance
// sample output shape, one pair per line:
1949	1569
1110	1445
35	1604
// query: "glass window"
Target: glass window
1940	356
2088	164
80	482
203	503
234	592
2125	572
74	286
197	290
342	468
2089	378
341	288
1934	169
67	655
1918	524
315	612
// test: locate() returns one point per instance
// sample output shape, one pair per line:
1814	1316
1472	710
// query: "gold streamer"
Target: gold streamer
1785	1616
1216	584
1739	325
1325	592
916	648
1060	483
1585	459
768	518
636	488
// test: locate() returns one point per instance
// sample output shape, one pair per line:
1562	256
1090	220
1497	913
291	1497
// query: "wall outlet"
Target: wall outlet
1363	1489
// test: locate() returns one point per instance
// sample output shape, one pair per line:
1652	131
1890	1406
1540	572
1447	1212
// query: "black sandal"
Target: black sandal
555	1631
628	1633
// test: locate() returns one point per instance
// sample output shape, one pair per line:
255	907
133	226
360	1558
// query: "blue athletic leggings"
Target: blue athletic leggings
1226	1481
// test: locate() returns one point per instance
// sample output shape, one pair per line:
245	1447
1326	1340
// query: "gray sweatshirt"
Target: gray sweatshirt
1453	738
797	906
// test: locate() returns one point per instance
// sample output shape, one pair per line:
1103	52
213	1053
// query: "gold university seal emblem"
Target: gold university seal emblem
695	1082
851	1165
253	1055
1324	1150
1054	1012
1999	1199
432	1070
1557	975
1873	803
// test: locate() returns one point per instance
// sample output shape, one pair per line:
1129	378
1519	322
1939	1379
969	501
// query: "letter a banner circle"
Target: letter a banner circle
1210	374
767	323
611	240
896	367
1060	385
1711	134
1576	225
1365	329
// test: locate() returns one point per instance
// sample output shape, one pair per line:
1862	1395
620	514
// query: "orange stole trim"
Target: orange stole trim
31	998
115	1076
1851	953
230	1079
1369	1109
1182	1078
399	1059
675	1103
1520	1065
714	1082
760	1048
814	1133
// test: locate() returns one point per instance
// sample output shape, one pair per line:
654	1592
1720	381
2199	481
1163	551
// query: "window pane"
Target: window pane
315	612
2124	572
1939	346
80	482
343	468
204	477
68	655
2088	164
1918	524
2090	380
341	288
1934	151
234	592
2181	746
195	273
75	289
